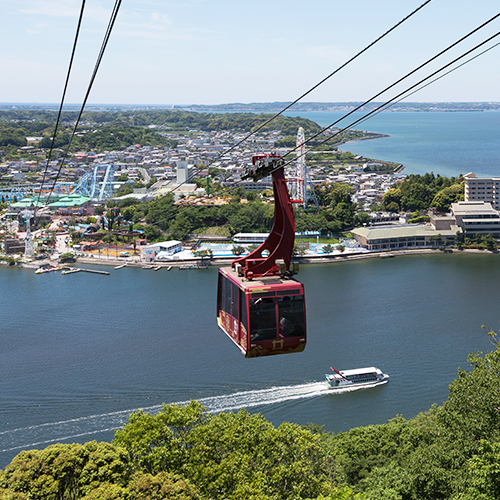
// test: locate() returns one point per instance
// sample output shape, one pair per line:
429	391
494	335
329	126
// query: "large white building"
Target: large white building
164	250
476	217
466	217
485	189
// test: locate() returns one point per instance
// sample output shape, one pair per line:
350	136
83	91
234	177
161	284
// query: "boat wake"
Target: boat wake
42	435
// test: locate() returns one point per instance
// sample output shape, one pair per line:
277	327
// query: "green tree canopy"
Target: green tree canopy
228	455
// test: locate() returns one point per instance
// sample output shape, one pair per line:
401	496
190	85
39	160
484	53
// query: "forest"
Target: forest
421	192
450	452
122	128
162	216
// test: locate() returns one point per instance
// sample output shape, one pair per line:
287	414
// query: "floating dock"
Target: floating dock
77	270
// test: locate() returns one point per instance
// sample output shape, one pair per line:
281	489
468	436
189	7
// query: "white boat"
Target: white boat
360	377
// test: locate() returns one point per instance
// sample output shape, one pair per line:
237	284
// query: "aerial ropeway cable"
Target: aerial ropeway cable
107	35
342	66
62	100
260	127
251	307
365	117
390	104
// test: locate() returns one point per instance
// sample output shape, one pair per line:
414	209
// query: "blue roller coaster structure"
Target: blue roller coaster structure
91	185
97	184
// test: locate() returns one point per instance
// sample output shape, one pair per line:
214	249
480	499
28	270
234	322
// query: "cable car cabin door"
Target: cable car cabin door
232	311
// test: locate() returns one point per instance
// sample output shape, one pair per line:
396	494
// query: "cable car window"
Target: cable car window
289	292
291	314
234	301
227	295
243	309
258	295
263	319
222	289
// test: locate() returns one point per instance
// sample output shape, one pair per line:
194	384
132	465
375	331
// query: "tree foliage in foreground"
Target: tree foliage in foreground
450	452
180	453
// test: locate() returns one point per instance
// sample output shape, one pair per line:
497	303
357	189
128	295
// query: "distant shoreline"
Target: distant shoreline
269	107
221	261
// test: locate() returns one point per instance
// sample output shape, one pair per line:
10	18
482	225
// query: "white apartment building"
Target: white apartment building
485	189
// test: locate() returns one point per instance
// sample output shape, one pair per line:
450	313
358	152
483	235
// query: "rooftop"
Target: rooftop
402	231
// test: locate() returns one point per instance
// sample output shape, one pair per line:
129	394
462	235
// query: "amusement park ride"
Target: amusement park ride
97	184
298	179
259	304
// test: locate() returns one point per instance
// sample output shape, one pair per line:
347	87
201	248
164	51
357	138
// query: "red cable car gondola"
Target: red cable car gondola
259	305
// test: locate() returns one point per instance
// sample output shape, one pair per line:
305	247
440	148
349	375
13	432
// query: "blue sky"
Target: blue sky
218	51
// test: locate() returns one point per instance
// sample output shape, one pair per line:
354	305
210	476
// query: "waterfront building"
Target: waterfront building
476	217
13	245
403	236
485	189
163	250
470	218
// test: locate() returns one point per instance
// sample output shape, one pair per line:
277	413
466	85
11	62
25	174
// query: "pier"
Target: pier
78	269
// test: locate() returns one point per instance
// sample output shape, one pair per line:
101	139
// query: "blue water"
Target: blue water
448	144
79	352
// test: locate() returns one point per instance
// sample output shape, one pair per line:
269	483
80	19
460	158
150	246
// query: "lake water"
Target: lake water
449	144
79	352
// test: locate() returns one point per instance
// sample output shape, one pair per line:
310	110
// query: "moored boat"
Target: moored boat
359	377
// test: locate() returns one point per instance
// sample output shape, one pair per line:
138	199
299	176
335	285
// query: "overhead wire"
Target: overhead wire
385	104
62	100
109	28
260	127
406	93
433	58
342	66
108	33
379	108
431	82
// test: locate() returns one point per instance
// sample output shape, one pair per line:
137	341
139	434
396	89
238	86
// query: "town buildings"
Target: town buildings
195	152
466	218
482	189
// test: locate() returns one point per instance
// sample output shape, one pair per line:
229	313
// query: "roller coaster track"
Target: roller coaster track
90	184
